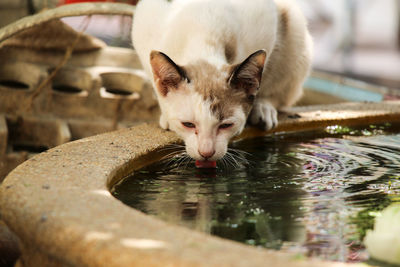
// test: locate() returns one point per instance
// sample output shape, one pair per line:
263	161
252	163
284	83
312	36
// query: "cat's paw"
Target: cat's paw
264	115
164	122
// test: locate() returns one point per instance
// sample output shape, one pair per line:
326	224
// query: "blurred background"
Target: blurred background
356	38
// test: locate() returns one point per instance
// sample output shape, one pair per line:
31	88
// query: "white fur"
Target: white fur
192	30
181	29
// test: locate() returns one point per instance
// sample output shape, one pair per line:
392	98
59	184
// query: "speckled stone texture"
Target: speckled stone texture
59	205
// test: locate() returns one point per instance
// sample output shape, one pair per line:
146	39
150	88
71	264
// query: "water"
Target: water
313	193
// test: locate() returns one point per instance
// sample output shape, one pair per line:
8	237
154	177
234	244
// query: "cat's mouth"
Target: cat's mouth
206	164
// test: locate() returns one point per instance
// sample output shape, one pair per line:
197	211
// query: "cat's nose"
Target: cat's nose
207	154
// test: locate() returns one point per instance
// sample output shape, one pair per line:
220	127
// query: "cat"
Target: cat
216	64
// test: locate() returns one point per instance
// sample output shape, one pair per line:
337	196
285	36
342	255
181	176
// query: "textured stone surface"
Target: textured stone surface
59	205
3	135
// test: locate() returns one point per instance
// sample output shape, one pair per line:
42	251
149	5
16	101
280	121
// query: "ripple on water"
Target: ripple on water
312	193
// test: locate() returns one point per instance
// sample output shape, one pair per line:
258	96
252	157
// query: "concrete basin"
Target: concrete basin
59	205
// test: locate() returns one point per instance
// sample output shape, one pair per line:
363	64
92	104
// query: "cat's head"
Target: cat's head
204	104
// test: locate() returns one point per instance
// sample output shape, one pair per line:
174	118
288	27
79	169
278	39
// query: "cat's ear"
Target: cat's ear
247	75
167	75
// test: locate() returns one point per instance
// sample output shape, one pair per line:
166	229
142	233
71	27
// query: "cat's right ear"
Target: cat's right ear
247	75
167	75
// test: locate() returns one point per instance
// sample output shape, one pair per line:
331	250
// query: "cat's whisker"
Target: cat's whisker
236	160
233	158
169	151
241	155
225	162
189	160
229	160
172	155
176	145
185	160
173	148
238	157
239	151
169	163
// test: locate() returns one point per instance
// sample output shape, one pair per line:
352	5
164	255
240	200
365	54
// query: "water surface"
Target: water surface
314	193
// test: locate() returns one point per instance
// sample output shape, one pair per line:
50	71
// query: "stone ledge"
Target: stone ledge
58	202
319	116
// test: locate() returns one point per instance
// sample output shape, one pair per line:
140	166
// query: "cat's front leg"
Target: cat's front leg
164	122
263	114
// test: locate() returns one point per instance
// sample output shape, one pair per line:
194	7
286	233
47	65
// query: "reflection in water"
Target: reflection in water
311	193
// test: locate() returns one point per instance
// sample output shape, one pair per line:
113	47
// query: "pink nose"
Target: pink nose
207	154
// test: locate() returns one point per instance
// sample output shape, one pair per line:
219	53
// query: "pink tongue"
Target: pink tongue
206	164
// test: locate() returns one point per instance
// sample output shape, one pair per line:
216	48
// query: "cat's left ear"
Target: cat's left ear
247	75
167	75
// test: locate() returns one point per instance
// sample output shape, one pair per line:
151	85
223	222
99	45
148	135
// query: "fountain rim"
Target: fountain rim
59	205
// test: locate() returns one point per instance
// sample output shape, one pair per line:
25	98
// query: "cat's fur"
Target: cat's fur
217	63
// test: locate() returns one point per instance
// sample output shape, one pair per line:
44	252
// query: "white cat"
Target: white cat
217	63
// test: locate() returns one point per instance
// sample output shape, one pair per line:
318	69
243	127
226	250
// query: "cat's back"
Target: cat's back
179	27
148	17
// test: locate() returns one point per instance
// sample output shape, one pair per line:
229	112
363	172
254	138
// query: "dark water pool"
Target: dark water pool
314	193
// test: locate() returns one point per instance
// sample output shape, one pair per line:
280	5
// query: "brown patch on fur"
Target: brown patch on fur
247	75
213	85
230	51
230	86
167	75
229	46
226	88
284	21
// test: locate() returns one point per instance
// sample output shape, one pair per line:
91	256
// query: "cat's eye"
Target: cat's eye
189	125
225	125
